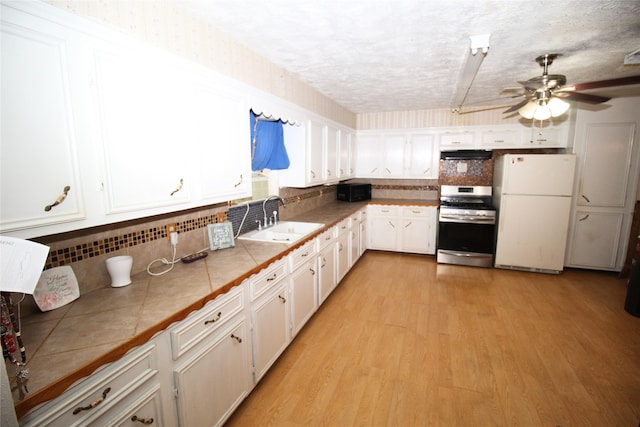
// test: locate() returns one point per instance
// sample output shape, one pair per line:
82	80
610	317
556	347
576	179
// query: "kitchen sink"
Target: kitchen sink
287	232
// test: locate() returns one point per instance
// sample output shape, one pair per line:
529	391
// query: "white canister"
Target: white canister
119	268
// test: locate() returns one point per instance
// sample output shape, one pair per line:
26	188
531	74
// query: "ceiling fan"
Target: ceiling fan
546	95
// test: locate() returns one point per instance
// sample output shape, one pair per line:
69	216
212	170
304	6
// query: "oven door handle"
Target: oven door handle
468	218
463	254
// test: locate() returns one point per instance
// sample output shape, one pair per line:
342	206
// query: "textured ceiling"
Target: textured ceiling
393	55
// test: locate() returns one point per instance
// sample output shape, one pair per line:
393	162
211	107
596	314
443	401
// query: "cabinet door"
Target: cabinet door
422	161
415	235
145	409
368	152
605	164
354	243
383	228
342	255
38	128
456	140
315	143
271	328
347	154
332	158
393	154
364	242
596	238
147	126
304	294
327	270
223	149
213	382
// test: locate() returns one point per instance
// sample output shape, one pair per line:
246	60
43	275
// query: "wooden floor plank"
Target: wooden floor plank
404	341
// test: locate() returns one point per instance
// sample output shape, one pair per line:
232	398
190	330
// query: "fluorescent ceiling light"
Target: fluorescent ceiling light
477	51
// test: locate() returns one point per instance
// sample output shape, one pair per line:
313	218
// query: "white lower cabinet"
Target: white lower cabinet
303	285
327	280
117	392
270	316
213	381
402	229
304	294
342	249
385	221
212	372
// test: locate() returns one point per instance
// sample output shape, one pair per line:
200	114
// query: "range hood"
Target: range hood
466	155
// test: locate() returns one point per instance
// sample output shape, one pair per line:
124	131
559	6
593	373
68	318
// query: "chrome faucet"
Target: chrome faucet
264	208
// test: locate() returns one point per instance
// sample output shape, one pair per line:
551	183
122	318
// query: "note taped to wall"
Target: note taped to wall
21	263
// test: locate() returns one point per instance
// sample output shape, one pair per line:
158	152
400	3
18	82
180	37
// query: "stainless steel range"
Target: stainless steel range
466	226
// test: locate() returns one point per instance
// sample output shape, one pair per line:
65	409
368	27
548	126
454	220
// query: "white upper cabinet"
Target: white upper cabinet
396	155
315	153
422	159
98	127
41	182
147	125
346	154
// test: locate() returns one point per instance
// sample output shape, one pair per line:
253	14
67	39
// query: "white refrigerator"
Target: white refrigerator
532	193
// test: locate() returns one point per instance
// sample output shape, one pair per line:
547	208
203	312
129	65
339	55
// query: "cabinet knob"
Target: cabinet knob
146	421
178	188
94	403
60	199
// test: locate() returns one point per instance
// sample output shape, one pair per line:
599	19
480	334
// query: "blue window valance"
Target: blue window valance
267	144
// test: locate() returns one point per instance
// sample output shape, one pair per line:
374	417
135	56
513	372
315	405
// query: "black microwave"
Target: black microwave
354	192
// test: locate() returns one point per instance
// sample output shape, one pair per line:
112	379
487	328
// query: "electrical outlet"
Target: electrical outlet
171	228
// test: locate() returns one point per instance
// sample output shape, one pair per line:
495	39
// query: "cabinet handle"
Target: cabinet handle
415	211
146	421
237	338
94	403
313	174
498	141
408	224
324	262
305	254
384	210
218	316
272	278
313	272
178	188
388	171
327	238
283	299
59	200
340	247
341	171
424	172
391	224
239	182
373	170
328	172
586	198
584	217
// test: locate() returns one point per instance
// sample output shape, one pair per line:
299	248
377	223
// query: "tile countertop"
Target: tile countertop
69	343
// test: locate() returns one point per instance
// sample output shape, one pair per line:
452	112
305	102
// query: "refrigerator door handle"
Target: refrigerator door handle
586	198
584	217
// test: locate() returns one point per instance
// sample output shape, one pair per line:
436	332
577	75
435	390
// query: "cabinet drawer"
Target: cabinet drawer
327	237
302	254
109	386
383	210
457	139
498	139
344	225
267	278
416	211
200	324
141	408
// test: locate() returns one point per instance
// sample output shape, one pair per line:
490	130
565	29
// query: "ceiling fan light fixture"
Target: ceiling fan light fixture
557	106
542	113
528	109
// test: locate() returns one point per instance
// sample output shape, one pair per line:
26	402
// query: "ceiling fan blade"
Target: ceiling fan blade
517	106
582	97
623	81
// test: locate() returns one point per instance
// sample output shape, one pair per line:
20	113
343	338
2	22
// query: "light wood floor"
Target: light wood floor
404	341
